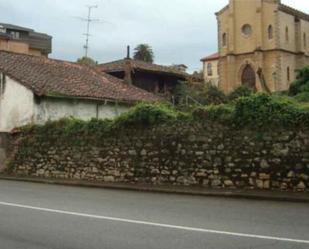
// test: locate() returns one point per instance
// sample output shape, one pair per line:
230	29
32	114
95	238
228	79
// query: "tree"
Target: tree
144	52
87	61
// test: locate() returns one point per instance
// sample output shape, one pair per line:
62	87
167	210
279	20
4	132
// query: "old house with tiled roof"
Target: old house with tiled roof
35	89
153	78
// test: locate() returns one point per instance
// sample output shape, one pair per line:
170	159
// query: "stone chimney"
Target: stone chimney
128	68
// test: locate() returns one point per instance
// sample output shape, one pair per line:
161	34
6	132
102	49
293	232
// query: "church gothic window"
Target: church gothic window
286	34
224	39
305	40
209	69
270	32
288	74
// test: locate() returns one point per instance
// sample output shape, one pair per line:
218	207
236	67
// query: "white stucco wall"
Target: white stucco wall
55	109
19	106
16	106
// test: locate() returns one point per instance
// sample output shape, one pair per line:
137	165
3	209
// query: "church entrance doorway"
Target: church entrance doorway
248	77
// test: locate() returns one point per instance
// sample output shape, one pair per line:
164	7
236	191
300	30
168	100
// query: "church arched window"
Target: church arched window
288	74
224	39
209	69
286	34
270	32
305	40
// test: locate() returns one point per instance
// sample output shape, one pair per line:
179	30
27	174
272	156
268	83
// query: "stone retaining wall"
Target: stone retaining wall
4	149
205	155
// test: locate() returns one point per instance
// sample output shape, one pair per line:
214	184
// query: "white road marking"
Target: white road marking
192	229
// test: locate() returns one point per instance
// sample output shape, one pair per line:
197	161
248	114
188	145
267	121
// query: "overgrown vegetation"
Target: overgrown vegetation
300	87
263	110
242	108
259	110
242	91
87	61
142	115
197	93
146	114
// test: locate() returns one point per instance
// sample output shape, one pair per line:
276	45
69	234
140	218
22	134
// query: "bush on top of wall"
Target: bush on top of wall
142	115
256	111
301	84
242	91
260	110
146	114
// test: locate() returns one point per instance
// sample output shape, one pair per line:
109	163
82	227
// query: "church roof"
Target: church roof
211	57
222	10
294	12
282	7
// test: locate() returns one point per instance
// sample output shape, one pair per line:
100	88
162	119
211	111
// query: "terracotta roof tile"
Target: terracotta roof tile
117	66
47	77
211	57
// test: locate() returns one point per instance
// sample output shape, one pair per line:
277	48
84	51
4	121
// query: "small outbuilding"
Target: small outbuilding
37	89
157	79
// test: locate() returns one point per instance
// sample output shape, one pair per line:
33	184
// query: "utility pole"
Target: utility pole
89	20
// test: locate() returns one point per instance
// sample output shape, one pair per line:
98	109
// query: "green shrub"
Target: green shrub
198	93
258	110
140	115
242	91
262	110
302	97
301	84
211	95
219	113
146	114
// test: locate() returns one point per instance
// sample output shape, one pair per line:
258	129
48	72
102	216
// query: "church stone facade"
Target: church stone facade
261	44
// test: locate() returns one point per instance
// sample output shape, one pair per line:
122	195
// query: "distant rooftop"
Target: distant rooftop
35	39
119	65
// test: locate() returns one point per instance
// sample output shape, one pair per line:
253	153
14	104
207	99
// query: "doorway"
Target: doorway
248	77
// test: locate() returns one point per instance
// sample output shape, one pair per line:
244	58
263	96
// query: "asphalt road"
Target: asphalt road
37	216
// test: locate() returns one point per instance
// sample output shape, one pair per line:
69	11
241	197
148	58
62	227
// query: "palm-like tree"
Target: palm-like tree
87	61
144	52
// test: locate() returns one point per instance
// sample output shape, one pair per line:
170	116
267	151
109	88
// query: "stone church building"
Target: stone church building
261	44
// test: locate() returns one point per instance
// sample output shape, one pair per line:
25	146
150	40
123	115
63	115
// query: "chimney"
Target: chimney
128	68
128	52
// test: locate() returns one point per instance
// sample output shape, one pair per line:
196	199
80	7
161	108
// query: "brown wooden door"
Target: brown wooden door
248	77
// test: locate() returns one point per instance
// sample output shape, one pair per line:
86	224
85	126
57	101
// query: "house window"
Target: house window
286	34
2	83
305	40
2	29
224	39
270	32
209	69
15	35
288	74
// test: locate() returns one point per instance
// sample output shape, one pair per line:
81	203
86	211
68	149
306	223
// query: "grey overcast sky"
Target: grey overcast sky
180	31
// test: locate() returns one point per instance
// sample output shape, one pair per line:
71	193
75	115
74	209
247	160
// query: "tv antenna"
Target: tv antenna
89	20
